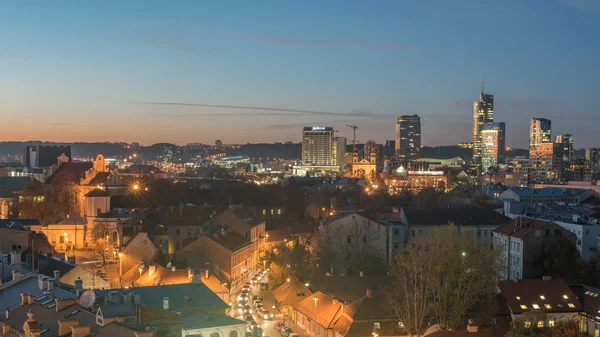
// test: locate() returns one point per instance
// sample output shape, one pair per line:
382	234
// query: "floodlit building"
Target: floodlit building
493	145
539	132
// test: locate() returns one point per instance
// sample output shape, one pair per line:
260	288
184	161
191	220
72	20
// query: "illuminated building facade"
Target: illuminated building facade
566	141
416	181
493	146
317	146
546	163
339	151
408	137
483	112
539	132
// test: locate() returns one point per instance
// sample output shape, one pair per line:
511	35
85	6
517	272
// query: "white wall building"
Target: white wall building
586	238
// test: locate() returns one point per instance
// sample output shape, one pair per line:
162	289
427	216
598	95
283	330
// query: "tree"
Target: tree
101	234
49	203
291	257
444	274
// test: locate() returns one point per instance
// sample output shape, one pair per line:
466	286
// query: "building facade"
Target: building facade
339	151
483	112
44	156
493	145
539	132
566	142
317	145
408	137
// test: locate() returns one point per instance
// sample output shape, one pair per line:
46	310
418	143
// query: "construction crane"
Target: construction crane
354	127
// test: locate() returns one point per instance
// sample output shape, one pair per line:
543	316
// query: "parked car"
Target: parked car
258	332
286	331
254	280
259	307
256	299
278	326
293	335
265	314
247	309
257	302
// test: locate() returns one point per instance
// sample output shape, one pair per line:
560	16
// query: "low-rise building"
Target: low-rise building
15	236
290	293
212	325
524	241
139	248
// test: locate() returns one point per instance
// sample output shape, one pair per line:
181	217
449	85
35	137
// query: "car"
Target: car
286	331
247	309
249	318
259	307
278	326
257	302
258	332
254	280
293	335
256	299
265	315
263	286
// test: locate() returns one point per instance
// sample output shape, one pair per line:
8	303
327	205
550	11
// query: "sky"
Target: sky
257	71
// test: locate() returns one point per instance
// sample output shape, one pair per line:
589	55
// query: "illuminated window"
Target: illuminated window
535	306
527	324
264	212
523	306
518	298
547	306
551	323
542	297
571	305
540	324
565	297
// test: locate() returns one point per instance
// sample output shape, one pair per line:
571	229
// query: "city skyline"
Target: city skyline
153	73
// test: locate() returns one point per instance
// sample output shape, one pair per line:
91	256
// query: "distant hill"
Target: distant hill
284	151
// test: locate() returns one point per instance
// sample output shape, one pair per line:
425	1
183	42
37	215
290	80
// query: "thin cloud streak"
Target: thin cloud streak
289	111
159	39
287	126
593	5
280	41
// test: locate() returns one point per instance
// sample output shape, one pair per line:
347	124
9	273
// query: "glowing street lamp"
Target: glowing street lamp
136	187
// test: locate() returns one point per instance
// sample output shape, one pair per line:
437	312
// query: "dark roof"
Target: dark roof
182	297
549	295
459	216
589	297
249	216
9	185
100	178
202	321
347	288
231	241
117	310
522	226
19	224
96	192
69	173
184	215
368	307
47	265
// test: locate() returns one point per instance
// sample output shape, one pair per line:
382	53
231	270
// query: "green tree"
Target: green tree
291	257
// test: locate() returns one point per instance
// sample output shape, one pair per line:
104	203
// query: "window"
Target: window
189	230
395	246
540	324
518	298
535	306
396	232
177	231
376	325
412	233
523	306
272	211
364	239
542	297
527	324
279	211
558	232
98	211
264	212
349	239
479	233
485	233
547	306
546	232
401	325
571	305
215	334
62	239
233	333
16	246
565	297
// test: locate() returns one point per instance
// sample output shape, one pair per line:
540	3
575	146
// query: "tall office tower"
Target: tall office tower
317	145
483	112
44	156
566	141
339	150
539	132
493	146
408	137
546	162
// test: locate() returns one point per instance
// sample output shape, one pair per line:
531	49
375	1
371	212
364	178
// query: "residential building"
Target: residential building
194	324
517	198
566	142
389	150
247	222
524	242
353	235
183	223
15	236
35	285
317	146
579	170
147	275
345	288
588	316
539	132
290	293
503	177
43	156
593	155
553	297
415	181
139	248
232	256
420	222
10	188
317	314
408	137
483	112
493	145
586	234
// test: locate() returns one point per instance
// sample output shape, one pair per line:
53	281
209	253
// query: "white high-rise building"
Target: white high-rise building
317	146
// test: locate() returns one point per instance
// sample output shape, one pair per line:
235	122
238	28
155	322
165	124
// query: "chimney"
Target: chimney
369	292
173	268
30	299
196	277
15	258
80	331
125	298
78	285
114	297
50	284
24	298
136	298
151	269
147	333
62	304
206	274
7	313
165	303
516	280
362	274
64	327
57	276
190	272
16	275
40	281
547	278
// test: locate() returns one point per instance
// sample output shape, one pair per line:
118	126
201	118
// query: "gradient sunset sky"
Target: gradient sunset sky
257	71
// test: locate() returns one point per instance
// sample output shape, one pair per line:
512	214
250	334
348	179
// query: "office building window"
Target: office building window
349	239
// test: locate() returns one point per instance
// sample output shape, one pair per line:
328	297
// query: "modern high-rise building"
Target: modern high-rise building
339	150
493	145
566	141
539	132
317	146
408	137
546	163
483	112
389	150
44	156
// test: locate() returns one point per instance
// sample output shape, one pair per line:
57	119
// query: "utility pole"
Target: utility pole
354	127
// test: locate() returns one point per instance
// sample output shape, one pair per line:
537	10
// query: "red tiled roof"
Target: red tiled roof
521	226
552	296
324	311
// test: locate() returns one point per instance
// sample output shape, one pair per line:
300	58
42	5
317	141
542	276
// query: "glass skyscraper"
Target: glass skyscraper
493	145
483	112
408	137
539	132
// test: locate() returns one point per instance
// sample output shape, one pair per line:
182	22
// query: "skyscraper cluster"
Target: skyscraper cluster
488	137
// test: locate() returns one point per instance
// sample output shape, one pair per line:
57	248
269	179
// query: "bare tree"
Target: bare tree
49	203
101	234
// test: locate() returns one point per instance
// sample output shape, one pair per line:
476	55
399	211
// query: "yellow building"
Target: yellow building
364	168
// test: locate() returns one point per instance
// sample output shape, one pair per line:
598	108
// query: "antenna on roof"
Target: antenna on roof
482	84
87	299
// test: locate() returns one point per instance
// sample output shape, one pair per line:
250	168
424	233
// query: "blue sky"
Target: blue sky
256	71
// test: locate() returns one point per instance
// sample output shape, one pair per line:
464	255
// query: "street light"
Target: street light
136	187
